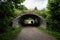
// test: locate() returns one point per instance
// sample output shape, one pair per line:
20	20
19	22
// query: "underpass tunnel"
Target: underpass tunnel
29	20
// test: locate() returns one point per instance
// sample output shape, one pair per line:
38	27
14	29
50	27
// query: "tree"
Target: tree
54	10
21	7
35	8
7	13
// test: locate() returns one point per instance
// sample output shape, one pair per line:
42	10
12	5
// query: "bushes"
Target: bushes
53	25
54	10
6	16
10	35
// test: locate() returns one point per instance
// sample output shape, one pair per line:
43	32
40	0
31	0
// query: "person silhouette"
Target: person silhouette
31	22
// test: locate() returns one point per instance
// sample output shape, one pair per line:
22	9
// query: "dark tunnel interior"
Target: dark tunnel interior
29	20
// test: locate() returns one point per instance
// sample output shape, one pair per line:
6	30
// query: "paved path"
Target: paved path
32	33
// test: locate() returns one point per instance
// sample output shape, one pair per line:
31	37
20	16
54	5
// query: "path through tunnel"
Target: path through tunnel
30	32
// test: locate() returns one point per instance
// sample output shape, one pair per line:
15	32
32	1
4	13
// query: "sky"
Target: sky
31	4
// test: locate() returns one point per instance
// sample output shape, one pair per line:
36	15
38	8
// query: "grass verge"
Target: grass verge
10	34
55	34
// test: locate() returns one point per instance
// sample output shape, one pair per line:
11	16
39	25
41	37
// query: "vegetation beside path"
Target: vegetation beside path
13	32
10	34
52	33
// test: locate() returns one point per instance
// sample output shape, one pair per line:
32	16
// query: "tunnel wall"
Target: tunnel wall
17	19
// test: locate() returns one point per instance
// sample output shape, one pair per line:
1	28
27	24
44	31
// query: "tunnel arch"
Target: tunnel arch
27	16
17	22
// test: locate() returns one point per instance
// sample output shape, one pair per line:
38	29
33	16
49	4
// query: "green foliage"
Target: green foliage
21	7
17	1
54	10
53	25
7	14
17	4
10	35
